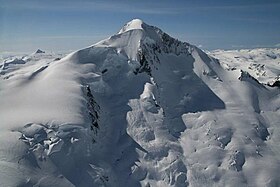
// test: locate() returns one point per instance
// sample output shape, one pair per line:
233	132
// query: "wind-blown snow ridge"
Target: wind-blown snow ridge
138	109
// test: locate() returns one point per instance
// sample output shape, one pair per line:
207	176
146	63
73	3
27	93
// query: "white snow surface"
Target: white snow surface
140	109
262	64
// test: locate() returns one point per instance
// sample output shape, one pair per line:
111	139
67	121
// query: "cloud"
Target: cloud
111	6
125	6
71	37
55	37
255	20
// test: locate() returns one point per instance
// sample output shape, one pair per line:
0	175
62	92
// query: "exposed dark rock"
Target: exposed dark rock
57	59
144	64
275	84
261	131
237	161
104	71
93	110
39	51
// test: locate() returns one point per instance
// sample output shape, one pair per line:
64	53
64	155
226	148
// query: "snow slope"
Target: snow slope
137	109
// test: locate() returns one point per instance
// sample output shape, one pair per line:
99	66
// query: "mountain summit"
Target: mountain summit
149	31
140	108
134	24
39	51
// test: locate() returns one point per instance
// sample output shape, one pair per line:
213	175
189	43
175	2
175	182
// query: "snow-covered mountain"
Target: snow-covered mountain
262	64
140	109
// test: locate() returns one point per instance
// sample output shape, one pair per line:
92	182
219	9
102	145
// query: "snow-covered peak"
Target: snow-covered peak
132	25
137	25
39	51
140	109
136	36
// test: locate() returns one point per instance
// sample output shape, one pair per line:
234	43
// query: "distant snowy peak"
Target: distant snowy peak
39	51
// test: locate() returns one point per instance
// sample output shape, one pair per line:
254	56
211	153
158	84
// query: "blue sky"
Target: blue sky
63	25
